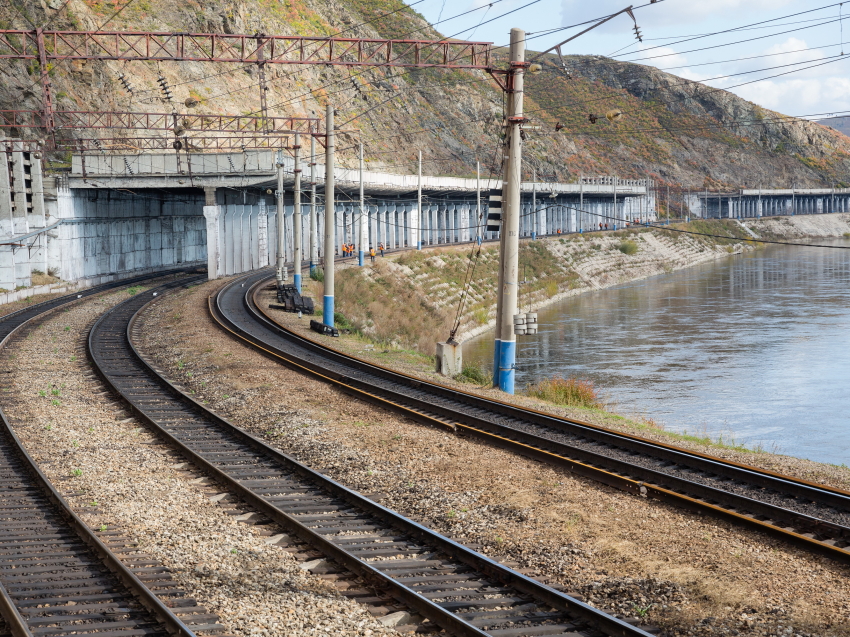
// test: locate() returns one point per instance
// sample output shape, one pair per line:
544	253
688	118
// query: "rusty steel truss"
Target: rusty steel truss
233	144
49	47
254	49
188	123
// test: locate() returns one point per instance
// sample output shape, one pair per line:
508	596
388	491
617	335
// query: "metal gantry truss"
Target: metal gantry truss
189	122
230	143
49	47
257	49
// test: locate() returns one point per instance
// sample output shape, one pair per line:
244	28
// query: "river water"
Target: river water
755	348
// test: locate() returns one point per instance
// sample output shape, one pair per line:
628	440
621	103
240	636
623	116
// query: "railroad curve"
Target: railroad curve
808	514
56	576
456	588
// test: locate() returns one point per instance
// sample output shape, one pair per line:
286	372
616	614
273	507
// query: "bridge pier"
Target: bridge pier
212	213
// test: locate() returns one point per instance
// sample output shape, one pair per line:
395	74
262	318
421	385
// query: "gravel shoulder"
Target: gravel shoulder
117	473
689	574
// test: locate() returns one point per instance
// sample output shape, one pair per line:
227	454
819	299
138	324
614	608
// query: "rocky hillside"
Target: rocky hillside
841	124
672	130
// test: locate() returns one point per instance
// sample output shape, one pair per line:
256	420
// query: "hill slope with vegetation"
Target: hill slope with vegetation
672	130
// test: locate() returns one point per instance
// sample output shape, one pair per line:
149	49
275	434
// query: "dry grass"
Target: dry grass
571	392
390	310
628	247
43	279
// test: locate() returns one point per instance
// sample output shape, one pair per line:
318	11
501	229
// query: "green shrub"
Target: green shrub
474	373
341	322
318	275
571	392
628	247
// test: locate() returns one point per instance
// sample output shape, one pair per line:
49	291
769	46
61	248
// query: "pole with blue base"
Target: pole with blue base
314	226
330	220
280	224
364	228
511	202
296	217
507	366
419	205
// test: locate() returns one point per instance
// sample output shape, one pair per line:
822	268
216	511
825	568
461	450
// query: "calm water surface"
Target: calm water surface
755	346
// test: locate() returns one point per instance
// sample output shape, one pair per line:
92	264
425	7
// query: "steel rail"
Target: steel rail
535	434
46	542
259	474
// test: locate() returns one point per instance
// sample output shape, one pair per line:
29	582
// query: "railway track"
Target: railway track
56	576
454	588
809	514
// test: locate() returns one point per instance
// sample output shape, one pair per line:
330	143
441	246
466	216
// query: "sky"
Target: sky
808	46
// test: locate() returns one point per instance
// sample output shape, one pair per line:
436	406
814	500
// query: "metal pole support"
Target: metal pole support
330	221
511	218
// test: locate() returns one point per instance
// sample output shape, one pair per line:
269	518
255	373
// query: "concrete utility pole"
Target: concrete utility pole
478	202
616	214
280	263
534	205
314	239
419	205
581	203
330	220
364	227
296	217
511	217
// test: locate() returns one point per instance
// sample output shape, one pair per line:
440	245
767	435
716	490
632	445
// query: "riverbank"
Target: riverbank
583	267
411	300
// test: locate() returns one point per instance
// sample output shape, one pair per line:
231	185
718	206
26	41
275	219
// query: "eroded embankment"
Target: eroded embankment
411	300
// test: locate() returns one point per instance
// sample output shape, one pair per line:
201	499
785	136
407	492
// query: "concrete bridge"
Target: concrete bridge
117	215
753	203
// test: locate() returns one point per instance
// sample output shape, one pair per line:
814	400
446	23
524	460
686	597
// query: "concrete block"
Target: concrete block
449	358
313	564
395	619
7	268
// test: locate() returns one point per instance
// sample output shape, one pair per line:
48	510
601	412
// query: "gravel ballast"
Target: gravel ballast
688	574
116	473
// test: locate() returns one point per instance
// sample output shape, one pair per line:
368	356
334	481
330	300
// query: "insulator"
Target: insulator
614	115
638	33
125	82
179	130
558	127
191	102
166	90
176	145
592	118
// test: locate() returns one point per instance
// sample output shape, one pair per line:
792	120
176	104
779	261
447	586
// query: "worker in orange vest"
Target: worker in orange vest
372	253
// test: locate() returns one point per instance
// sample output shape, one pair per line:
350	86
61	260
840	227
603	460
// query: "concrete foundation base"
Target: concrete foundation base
449	359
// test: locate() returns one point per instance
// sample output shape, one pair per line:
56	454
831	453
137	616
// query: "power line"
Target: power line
751	57
752	24
719	46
